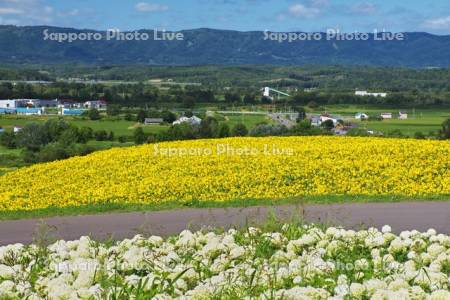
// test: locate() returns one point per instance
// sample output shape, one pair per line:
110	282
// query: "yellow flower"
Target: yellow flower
234	168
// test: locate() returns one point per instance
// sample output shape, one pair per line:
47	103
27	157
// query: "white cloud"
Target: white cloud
10	11
438	23
300	10
33	12
151	7
364	8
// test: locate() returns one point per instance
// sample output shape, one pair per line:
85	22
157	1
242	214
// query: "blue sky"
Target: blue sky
274	15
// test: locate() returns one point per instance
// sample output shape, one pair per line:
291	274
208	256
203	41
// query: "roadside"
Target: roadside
401	216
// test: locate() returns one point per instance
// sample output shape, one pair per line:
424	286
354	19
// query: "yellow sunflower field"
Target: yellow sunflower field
234	168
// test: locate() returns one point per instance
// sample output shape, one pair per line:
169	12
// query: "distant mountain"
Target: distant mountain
207	46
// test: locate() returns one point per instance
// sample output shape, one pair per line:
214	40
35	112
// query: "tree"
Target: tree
129	117
93	114
419	135
113	110
32	137
208	127
8	140
111	136
101	135
168	116
142	114
444	133
180	132
54	128
300	110
139	136
328	124
189	102
85	134
224	130
249	99
52	152
232	98
69	136
239	130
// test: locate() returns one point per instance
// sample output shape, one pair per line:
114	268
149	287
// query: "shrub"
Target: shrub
101	135
139	136
8	140
239	130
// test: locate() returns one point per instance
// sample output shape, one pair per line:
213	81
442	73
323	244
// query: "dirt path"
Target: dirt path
401	216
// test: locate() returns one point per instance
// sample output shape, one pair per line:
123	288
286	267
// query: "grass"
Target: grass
121	208
119	127
250	121
424	120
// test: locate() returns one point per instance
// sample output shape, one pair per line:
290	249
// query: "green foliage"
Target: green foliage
224	130
328	124
445	131
101	135
32	137
209	127
93	114
239	130
268	130
141	115
8	140
139	136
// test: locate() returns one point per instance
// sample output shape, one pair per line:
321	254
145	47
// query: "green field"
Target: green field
249	120
419	120
122	127
119	127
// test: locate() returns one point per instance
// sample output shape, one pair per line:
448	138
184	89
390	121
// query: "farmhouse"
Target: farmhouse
192	120
361	116
365	94
14	103
403	115
97	104
327	117
153	121
42	103
386	115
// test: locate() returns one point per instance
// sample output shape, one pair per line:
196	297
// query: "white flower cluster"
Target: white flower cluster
298	262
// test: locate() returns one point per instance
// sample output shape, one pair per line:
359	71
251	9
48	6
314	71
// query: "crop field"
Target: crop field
119	127
293	261
419	120
234	169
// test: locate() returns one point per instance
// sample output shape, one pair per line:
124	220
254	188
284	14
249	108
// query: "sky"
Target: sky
244	15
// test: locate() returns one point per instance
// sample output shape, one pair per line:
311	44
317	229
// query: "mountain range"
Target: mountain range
38	45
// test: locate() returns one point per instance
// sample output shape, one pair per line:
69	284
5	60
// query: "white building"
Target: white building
365	93
326	118
361	116
191	121
153	121
97	104
386	115
402	115
12	103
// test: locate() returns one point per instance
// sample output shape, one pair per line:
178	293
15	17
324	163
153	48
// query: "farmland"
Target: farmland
233	169
419	120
